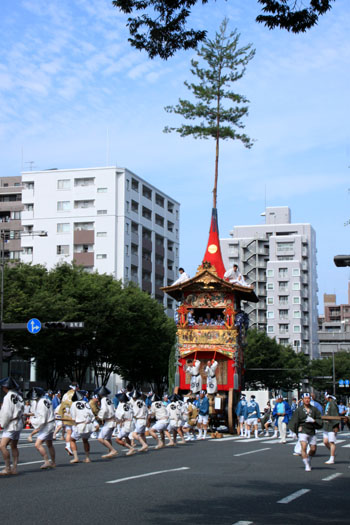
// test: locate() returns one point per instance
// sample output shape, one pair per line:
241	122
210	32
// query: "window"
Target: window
296	343
296	272
134	227
159	259
283	285
15	215
63	184
101	234
17	184
146	234
127	228
134	271
134	206
63	249
127	184
270	273
296	286
29	185
146	213
159	200
270	315
296	328
83	248
283	314
269	300
28	228
296	300
134	185
169	303
101	256
170	207
126	249
146	276
270	286
84	181
63	227
159	241
297	314
101	212
134	249
28	250
84	204
127	206
285	246
126	272
284	341
160	221
285	257
102	190
283	328
28	207
282	273
283	299
15	255
11	198
170	226
63	206
147	192
270	328
78	226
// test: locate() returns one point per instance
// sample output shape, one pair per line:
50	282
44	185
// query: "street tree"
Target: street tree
219	111
271	365
321	371
112	331
160	27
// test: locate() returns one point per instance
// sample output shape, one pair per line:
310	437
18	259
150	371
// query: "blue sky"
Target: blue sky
68	74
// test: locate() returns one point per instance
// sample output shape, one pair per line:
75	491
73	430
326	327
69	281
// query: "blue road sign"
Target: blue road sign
34	326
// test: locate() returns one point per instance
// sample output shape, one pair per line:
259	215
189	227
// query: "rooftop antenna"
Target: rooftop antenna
107	147
31	164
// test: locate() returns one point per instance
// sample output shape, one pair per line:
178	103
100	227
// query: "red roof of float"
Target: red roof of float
213	251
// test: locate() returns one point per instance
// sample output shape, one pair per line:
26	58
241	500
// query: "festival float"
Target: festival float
208	296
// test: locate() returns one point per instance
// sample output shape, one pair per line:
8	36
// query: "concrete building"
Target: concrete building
105	219
334	326
10	217
279	259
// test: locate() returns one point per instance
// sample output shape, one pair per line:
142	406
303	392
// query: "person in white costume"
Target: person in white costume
107	415
182	277
234	276
83	427
140	414
160	413
174	413
196	379
125	418
43	421
64	413
210	370
11	421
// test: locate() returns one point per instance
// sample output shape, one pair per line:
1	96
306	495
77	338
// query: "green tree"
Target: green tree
161	29
271	365
226	63
321	371
125	329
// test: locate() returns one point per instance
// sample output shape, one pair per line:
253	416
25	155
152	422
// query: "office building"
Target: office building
334	326
279	259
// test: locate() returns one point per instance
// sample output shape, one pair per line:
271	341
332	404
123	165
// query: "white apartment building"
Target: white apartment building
105	219
279	259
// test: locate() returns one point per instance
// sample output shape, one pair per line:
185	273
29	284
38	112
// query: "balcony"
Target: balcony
84	236
84	259
147	244
147	286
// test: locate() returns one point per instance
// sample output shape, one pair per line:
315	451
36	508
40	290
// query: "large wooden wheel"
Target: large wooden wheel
230	418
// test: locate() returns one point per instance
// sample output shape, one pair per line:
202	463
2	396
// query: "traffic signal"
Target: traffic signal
342	260
56	325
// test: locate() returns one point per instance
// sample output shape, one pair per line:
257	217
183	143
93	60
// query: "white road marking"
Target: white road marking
148	474
294	496
251	452
243	523
235	438
332	476
31	463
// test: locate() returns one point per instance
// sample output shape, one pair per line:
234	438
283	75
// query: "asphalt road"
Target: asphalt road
228	481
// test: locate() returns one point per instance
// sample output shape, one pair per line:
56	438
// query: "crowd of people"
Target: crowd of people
302	420
131	416
126	420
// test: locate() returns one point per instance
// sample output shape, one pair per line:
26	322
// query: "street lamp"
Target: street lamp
6	235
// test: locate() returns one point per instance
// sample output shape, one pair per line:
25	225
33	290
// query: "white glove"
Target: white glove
309	419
